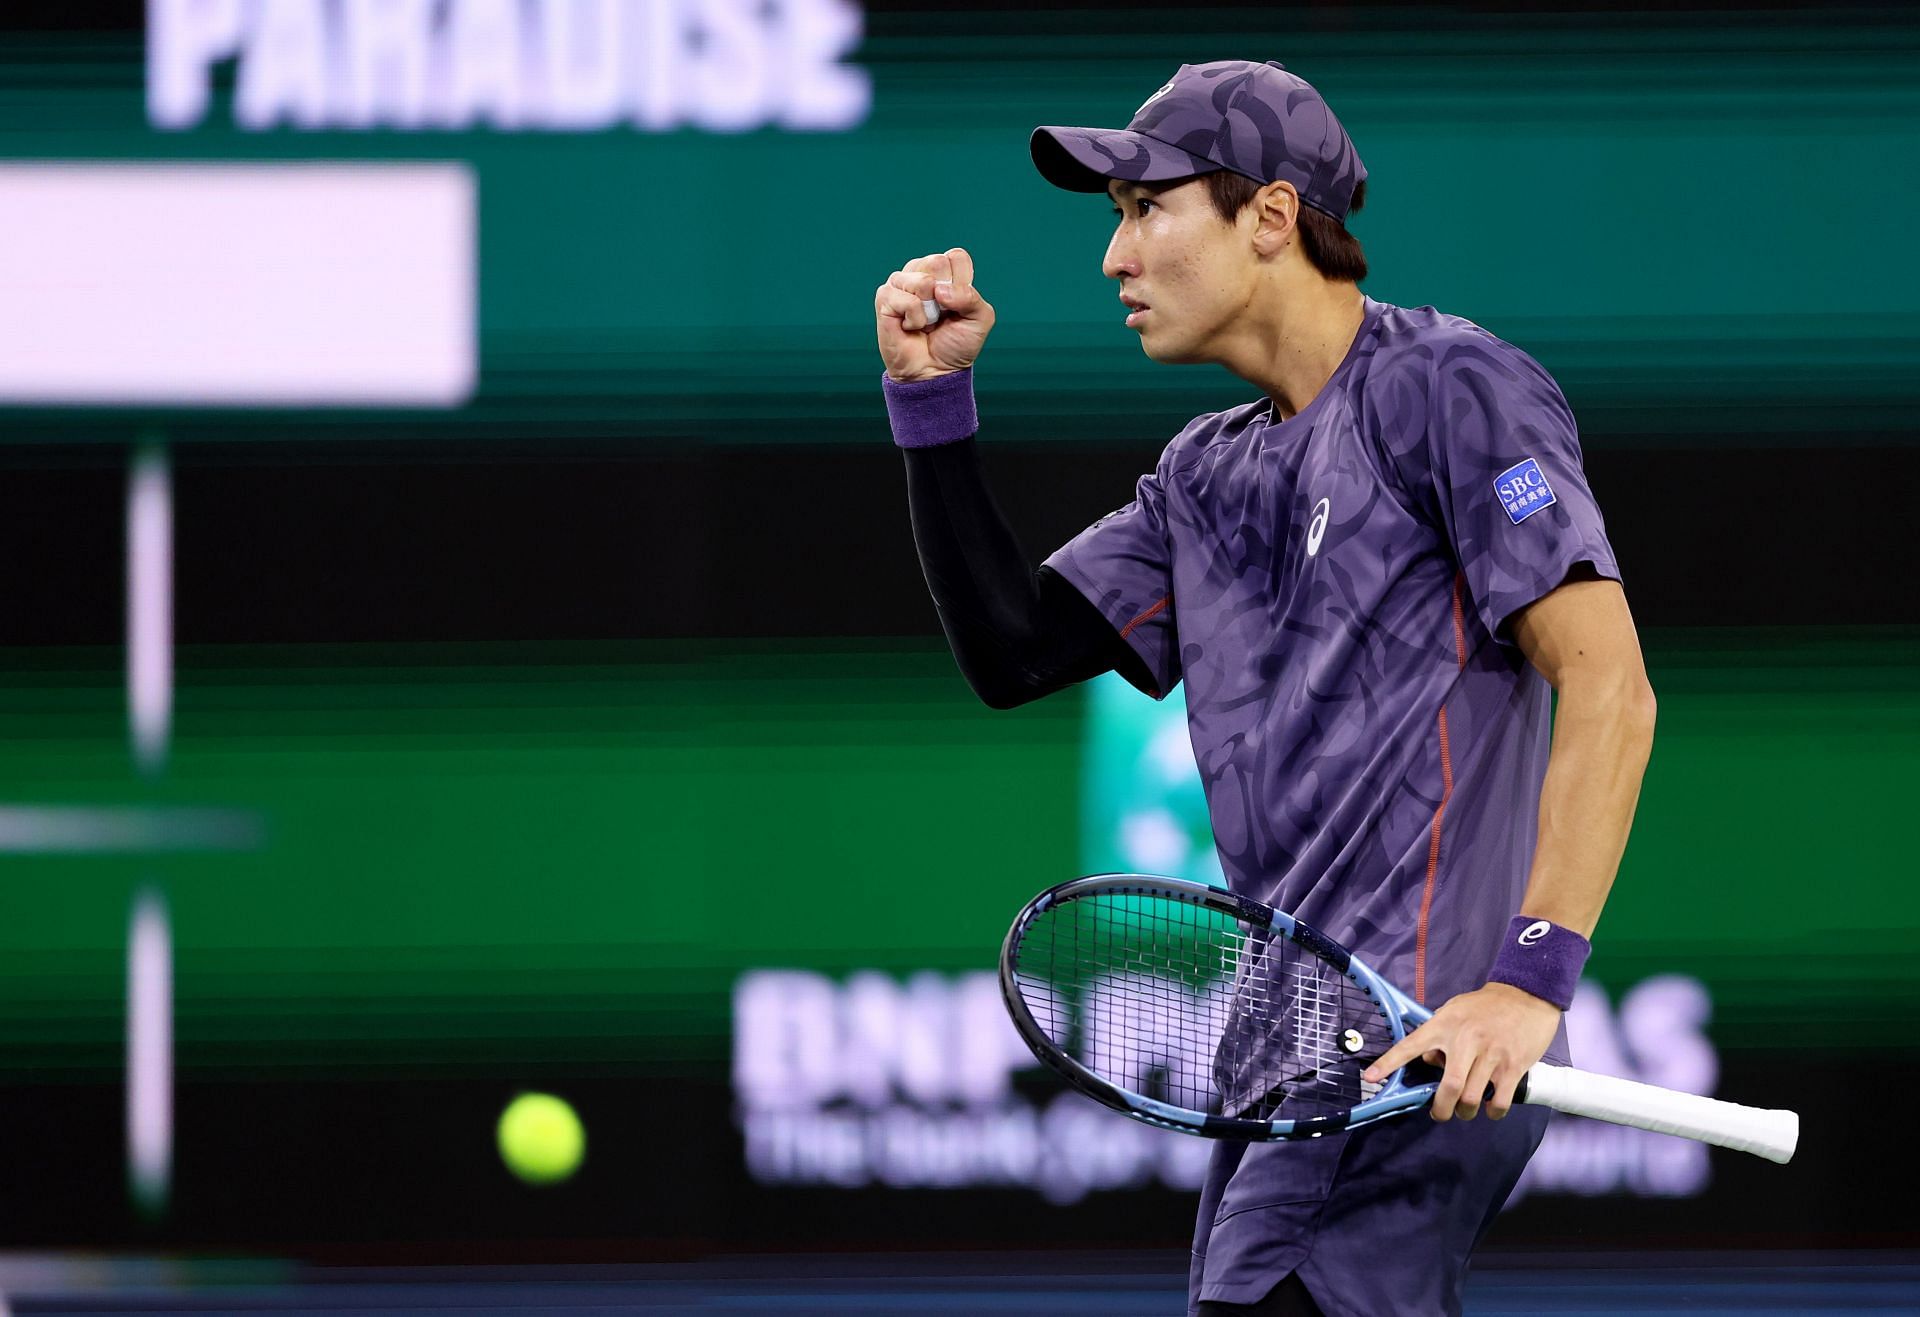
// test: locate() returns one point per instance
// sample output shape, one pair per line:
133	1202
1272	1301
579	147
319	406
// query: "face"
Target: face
1190	272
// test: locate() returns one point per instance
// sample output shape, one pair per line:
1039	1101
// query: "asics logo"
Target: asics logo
1318	526
1533	932
1156	96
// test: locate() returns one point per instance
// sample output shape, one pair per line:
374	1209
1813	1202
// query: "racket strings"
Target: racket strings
1301	1033
1179	1002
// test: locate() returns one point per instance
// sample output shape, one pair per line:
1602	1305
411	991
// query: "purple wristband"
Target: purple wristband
925	413
1541	958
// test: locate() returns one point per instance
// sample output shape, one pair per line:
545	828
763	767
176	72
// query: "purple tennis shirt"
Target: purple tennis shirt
1335	590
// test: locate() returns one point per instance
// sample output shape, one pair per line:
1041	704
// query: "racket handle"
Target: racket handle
932	308
1769	1134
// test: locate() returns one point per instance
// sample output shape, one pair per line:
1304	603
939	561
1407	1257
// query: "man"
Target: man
1368	579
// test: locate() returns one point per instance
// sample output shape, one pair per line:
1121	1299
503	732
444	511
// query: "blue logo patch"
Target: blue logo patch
1523	490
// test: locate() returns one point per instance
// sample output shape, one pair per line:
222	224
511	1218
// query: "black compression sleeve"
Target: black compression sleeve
1016	633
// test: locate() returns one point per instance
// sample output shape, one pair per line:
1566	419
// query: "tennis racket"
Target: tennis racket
1192	1008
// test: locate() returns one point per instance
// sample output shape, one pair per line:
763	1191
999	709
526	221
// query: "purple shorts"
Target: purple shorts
1379	1220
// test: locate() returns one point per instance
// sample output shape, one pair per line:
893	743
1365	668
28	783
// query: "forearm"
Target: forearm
1016	634
975	568
1602	737
978	577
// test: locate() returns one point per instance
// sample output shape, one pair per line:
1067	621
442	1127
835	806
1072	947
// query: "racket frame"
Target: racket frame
1396	1093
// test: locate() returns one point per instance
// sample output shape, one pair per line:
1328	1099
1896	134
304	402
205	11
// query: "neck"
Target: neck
1292	351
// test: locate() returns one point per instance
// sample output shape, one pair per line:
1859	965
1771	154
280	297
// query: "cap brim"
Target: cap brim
1086	159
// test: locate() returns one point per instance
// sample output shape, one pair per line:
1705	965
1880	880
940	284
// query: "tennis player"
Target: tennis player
1368	577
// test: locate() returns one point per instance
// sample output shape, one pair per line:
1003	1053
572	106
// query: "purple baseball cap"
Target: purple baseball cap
1255	119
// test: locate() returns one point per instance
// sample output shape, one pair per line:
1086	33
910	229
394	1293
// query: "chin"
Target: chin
1169	350
1171	354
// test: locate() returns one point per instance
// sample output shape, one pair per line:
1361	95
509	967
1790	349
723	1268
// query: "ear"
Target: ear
1276	212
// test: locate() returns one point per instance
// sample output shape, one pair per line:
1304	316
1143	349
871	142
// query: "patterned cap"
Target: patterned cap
1255	119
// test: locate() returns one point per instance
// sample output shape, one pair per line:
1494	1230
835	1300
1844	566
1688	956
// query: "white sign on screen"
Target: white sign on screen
510	65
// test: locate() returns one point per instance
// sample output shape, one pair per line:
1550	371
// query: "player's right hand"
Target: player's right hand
910	348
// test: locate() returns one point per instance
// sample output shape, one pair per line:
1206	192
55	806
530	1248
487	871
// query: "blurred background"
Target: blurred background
462	635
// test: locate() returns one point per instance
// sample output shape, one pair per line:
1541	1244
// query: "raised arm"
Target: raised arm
1017	634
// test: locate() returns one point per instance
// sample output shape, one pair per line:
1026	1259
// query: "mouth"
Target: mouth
1136	309
1135	317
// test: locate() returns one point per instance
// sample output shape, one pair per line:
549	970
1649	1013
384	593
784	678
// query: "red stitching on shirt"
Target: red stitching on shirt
1440	812
1127	630
1459	622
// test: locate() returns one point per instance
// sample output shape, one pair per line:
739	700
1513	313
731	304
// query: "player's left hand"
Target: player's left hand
1486	1039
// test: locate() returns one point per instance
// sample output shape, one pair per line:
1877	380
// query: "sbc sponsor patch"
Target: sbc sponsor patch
1523	490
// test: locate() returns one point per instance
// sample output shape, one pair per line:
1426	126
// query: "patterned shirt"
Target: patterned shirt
1336	590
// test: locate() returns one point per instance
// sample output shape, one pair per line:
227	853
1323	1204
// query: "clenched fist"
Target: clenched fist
911	348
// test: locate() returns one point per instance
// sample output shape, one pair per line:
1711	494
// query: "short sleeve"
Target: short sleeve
1123	564
1513	494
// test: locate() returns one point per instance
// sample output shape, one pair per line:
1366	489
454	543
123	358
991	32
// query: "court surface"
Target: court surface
1025	1285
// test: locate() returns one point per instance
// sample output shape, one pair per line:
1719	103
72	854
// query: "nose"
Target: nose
1119	260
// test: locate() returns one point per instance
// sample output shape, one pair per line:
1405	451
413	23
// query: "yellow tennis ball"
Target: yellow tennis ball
541	1139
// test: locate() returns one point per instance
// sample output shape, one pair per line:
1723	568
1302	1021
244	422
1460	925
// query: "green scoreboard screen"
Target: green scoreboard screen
672	215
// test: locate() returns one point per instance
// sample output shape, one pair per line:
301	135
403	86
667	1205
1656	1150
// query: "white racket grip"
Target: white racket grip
932	308
1769	1134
